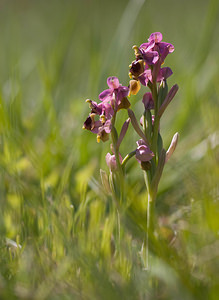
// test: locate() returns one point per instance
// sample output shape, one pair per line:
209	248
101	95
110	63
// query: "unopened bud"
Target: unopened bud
136	126
111	161
172	146
163	90
148	101
123	132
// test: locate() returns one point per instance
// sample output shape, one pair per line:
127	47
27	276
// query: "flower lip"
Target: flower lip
134	87
137	68
88	124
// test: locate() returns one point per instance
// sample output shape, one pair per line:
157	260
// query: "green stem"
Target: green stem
150	223
155	134
120	172
119	236
112	187
145	127
127	158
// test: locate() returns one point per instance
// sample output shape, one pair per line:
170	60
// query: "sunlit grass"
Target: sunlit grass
52	58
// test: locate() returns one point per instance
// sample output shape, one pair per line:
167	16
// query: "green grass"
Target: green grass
53	56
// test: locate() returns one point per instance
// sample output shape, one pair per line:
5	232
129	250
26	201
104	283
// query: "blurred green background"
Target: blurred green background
53	56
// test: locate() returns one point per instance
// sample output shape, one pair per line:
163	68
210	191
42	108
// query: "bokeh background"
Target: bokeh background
53	56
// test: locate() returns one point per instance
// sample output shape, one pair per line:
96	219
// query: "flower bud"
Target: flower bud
148	101
111	161
163	90
123	132
143	152
172	146
136	126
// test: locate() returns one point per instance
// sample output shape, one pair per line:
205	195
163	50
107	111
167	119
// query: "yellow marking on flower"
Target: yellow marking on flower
156	38
103	119
134	87
98	138
136	50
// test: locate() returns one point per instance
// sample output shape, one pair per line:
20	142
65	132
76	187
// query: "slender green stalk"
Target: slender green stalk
111	183
114	137
151	196
120	172
120	179
150	223
119	236
149	176
127	158
155	134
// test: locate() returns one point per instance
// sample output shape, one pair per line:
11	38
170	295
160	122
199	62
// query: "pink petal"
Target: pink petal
105	95
145	47
113	82
107	126
155	37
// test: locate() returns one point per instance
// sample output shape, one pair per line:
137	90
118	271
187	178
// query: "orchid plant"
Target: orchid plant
146	70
